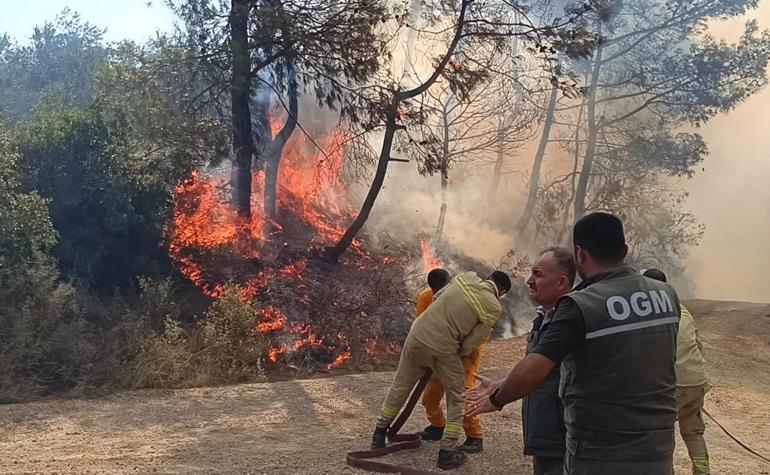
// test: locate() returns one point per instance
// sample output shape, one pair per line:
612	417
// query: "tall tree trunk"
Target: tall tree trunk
335	252
240	91
271	184
498	171
260	121
411	37
444	169
575	162
278	143
534	178
387	142
588	161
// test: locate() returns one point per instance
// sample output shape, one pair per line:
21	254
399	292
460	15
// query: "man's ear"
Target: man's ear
579	254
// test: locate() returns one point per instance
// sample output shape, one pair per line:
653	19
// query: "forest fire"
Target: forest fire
429	259
310	192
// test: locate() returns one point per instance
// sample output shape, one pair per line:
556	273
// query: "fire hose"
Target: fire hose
362	458
735	439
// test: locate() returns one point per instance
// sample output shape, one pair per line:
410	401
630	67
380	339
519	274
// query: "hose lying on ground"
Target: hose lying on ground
362	458
746	447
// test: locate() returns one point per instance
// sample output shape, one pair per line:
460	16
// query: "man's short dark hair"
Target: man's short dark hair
501	280
656	274
437	279
565	260
601	235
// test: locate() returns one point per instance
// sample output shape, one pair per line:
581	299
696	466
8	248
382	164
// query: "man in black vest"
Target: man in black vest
615	336
542	413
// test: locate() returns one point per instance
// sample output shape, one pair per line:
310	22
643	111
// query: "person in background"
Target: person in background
459	319
691	386
542	413
437	280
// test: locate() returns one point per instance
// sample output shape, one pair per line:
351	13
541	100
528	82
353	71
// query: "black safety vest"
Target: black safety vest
542	413
619	387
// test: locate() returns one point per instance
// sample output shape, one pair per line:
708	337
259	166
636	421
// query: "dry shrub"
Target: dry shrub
56	339
46	346
223	348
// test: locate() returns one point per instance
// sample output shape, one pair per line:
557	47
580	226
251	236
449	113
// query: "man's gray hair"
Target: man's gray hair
565	260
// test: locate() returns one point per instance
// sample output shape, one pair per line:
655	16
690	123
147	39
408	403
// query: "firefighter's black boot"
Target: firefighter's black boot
472	445
449	459
432	433
378	438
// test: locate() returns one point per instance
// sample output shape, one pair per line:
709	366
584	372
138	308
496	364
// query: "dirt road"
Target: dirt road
307	426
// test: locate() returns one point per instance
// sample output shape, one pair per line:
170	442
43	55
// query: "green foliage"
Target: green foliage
26	232
656	72
45	345
105	135
149	91
723	74
109	227
661	151
334	46
59	62
230	337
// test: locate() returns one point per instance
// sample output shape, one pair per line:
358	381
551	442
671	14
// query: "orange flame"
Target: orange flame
294	270
273	320
276	353
341	359
429	260
309	189
374	346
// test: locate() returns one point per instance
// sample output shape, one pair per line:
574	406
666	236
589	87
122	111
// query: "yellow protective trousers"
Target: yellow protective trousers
434	391
416	359
690	417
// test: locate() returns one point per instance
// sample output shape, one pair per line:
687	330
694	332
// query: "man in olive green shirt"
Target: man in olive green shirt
691	386
460	318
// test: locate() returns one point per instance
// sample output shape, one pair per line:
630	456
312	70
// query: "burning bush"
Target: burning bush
312	315
343	318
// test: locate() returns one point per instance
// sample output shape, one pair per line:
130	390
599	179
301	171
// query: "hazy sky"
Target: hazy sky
123	19
731	197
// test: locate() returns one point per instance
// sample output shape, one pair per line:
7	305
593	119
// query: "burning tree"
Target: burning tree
478	26
216	242
278	47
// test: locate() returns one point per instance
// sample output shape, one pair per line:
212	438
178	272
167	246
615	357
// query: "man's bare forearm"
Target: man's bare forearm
524	378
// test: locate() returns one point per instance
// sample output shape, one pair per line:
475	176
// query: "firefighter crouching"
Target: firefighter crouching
460	318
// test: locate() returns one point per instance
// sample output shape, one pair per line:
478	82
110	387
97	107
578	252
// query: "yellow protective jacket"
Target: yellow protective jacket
461	316
690	364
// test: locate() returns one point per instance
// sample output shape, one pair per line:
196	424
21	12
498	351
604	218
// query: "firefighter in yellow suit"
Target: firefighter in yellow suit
460	318
434	391
691	386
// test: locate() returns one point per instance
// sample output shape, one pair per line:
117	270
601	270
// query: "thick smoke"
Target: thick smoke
730	195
